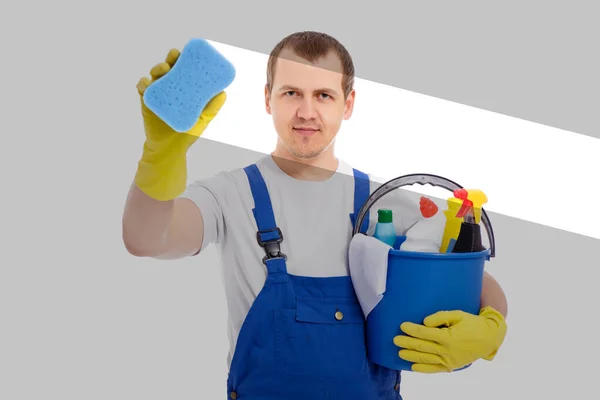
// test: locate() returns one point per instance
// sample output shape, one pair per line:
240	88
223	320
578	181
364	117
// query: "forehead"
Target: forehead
292	70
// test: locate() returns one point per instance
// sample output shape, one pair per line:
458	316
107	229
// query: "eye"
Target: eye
290	93
326	96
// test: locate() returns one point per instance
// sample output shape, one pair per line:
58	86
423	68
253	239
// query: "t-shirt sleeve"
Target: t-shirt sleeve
207	194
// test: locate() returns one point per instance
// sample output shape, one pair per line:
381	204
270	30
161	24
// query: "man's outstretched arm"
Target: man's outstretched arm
156	222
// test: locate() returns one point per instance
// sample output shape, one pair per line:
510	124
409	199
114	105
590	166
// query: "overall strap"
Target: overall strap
362	191
269	236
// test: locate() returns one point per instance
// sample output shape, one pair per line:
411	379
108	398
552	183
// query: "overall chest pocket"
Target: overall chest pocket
323	339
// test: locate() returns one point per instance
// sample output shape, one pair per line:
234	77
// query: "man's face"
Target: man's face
307	103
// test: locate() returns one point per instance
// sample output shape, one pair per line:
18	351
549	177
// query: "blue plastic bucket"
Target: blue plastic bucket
420	284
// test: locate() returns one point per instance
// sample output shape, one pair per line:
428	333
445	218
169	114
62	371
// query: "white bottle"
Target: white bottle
427	234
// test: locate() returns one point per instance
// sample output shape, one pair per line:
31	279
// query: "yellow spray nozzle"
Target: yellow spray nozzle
478	198
471	199
462	201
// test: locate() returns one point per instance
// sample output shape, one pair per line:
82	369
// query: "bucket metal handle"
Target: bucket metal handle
421	179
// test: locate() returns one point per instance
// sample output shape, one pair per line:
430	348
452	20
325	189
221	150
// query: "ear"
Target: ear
349	104
267	100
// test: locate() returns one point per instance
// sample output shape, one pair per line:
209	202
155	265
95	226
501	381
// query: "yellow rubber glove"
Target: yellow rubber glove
162	170
450	340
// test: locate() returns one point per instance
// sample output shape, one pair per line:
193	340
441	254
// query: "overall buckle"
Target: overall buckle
271	246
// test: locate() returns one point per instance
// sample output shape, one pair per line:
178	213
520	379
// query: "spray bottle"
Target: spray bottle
453	223
469	238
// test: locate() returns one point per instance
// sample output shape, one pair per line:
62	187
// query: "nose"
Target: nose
307	109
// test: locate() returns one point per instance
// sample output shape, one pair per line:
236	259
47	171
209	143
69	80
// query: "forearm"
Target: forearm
493	296
146	223
156	221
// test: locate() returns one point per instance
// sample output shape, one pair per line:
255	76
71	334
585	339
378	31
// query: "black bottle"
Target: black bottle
469	237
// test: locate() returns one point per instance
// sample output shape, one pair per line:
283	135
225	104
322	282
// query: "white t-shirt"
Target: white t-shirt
312	215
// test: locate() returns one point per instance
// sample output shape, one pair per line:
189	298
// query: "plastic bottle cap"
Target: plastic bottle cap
384	215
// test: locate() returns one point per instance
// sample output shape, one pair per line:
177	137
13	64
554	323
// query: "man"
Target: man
283	226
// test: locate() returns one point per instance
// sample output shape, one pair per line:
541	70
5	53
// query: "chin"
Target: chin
304	147
306	153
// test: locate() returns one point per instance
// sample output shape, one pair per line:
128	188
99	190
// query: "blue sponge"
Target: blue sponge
199	74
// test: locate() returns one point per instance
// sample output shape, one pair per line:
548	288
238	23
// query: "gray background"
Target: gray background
81	319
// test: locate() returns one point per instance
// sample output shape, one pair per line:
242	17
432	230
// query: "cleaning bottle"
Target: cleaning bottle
469	238
452	228
426	234
385	230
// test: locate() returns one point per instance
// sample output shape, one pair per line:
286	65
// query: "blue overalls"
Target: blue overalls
304	337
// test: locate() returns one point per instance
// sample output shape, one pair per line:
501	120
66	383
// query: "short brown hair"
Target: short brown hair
311	46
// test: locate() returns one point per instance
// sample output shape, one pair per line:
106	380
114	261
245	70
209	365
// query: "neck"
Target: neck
317	168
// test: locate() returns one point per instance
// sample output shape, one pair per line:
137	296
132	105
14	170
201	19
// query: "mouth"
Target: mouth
305	131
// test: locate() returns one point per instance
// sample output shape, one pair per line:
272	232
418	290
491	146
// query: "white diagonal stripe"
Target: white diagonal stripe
528	170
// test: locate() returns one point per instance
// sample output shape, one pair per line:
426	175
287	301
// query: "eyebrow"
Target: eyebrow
286	88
